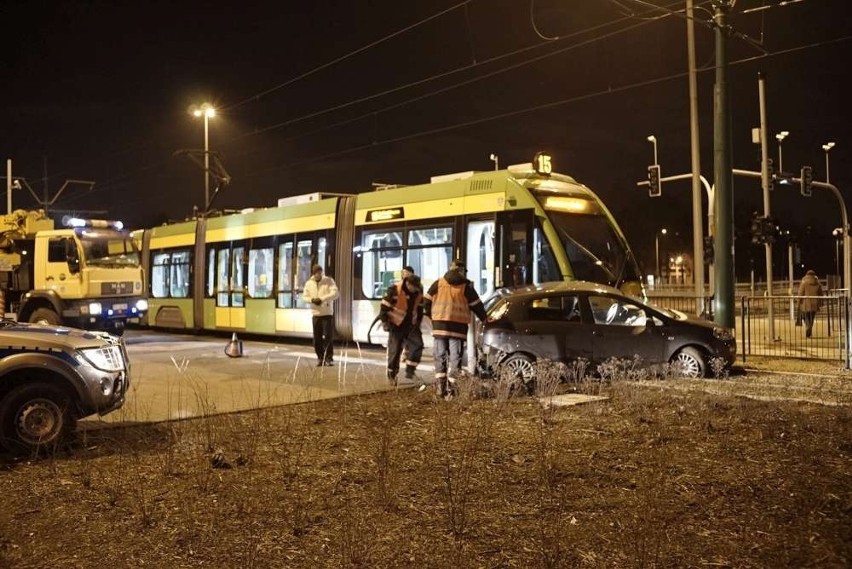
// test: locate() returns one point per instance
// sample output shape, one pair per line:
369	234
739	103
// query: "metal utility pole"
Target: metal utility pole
764	178
724	180
697	232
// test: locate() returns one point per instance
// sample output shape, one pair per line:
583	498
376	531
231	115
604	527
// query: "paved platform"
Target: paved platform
180	376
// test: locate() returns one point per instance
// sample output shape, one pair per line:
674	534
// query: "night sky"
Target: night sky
334	96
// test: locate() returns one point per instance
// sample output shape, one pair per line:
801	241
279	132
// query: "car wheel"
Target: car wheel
691	362
520	368
35	416
45	316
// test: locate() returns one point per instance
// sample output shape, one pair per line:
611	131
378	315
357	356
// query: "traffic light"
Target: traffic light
756	228
769	230
807	178
709	252
655	186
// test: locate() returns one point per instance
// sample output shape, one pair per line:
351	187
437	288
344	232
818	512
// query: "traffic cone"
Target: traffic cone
234	349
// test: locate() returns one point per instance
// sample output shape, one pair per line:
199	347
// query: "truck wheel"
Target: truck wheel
45	316
35	416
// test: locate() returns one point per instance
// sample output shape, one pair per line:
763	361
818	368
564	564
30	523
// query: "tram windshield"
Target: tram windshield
595	250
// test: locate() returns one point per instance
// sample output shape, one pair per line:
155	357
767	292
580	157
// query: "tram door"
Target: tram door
515	248
479	255
228	279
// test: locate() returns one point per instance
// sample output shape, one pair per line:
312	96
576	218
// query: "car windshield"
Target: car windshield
113	249
596	252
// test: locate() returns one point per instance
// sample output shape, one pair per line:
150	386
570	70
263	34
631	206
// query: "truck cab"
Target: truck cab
86	276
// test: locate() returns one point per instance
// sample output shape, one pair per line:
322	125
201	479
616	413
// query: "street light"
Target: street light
780	138
496	161
653	140
207	111
828	146
657	248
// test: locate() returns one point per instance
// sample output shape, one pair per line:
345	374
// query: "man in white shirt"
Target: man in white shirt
320	292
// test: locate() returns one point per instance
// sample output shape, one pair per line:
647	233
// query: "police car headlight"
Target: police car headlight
94	308
141	305
107	358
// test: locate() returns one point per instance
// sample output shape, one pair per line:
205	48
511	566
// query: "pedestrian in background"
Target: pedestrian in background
449	302
809	303
401	313
321	292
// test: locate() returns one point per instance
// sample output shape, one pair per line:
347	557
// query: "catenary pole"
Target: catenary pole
724	250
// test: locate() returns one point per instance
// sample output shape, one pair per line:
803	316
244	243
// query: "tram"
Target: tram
244	272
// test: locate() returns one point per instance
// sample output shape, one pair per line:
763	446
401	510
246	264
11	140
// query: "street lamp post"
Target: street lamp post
657	248
780	138
206	111
653	140
827	146
496	160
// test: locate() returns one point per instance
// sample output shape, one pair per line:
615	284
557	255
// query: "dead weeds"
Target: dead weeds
646	478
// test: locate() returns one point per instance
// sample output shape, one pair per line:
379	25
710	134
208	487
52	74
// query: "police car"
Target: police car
51	376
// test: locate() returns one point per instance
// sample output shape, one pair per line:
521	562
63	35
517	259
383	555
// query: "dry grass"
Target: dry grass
648	478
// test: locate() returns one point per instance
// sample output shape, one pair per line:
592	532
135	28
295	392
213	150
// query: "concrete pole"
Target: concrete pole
697	216
764	177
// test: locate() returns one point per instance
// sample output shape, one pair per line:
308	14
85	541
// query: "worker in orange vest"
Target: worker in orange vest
401	313
449	302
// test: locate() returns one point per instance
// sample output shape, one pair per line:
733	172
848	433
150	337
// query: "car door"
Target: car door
553	328
622	329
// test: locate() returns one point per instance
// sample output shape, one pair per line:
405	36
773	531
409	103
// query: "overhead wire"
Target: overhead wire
428	132
105	185
348	55
552	104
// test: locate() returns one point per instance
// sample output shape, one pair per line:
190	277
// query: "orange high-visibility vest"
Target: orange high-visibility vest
397	313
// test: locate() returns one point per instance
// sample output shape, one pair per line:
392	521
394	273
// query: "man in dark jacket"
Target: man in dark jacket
449	302
810	290
401	313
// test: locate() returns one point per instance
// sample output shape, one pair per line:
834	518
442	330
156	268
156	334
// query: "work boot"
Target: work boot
392	377
441	386
409	372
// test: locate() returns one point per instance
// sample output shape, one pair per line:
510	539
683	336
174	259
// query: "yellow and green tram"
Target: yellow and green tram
244	272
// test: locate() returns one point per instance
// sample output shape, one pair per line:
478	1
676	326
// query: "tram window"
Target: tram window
285	274
322	253
222	283
480	255
544	265
238	280
382	261
211	273
304	249
160	275
179	273
260	273
430	252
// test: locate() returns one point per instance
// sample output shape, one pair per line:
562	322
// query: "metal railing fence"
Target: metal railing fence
829	340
